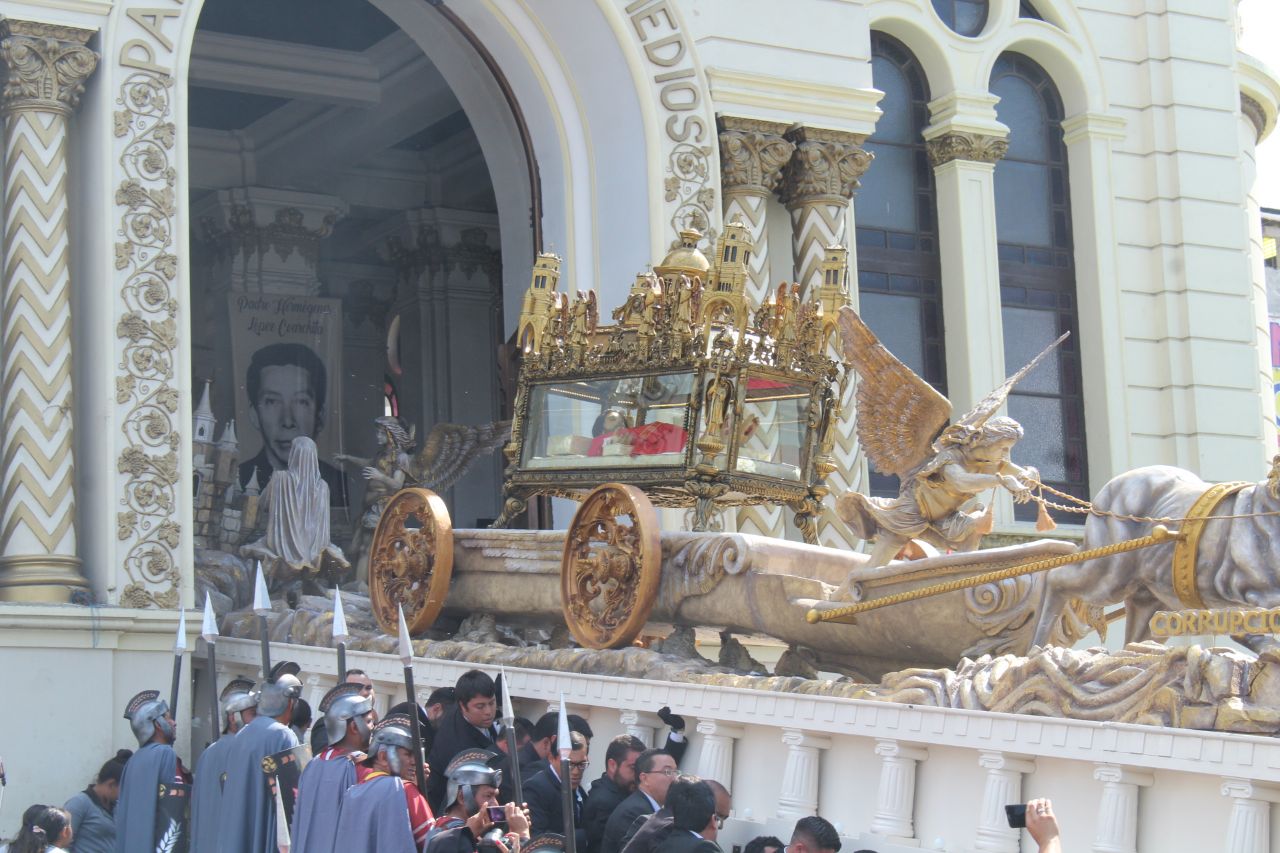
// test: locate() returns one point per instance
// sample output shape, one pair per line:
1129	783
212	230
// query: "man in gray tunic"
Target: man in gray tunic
375	813
206	794
348	721
154	763
247	815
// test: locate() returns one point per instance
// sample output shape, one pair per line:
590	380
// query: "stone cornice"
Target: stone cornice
977	147
47	65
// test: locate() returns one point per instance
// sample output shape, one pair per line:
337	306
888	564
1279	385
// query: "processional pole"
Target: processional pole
509	724
262	607
565	745
179	646
209	631
340	634
406	658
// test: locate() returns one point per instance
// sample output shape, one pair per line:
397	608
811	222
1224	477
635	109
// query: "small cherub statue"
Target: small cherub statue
898	416
385	474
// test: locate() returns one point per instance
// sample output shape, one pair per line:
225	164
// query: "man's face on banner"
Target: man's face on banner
284	410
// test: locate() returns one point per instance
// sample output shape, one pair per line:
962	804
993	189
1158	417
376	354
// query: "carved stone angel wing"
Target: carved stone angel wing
451	448
988	405
898	412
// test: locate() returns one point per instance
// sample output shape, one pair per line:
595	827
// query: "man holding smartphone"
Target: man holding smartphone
473	819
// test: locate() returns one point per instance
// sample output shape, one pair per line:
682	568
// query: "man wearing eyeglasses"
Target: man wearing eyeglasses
543	794
655	771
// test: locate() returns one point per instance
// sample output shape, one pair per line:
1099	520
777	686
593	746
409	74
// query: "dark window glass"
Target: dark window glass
966	17
1037	277
898	269
1026	10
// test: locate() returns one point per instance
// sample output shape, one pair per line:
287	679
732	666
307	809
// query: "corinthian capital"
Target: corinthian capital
47	65
752	153
825	164
966	146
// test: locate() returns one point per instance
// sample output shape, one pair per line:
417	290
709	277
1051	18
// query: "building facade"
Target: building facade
204	199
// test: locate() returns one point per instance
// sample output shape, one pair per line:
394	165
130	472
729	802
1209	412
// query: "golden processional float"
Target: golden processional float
693	398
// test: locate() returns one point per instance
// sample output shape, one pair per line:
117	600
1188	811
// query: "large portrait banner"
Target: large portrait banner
287	358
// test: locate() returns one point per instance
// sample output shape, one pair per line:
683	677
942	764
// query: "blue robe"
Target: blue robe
206	795
139	790
320	793
375	818
247	815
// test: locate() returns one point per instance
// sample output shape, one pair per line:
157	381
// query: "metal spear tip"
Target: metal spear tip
261	598
508	714
340	632
406	645
563	741
180	641
209	630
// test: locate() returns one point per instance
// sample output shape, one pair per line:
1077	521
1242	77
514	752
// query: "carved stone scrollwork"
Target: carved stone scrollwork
47	65
1255	113
752	154
611	567
411	560
825	164
978	147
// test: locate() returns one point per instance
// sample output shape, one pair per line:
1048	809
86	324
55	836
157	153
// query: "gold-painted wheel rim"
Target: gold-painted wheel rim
611	566
411	560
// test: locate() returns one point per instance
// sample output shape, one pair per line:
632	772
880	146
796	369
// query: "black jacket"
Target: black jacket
648	832
452	735
546	807
634	806
605	797
684	841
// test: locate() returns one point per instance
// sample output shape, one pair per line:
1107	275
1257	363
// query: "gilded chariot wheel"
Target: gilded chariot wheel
611	566
411	560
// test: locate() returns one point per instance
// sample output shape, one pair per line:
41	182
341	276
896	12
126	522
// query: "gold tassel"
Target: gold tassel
1044	521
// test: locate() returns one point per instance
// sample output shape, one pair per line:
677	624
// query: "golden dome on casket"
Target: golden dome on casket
686	258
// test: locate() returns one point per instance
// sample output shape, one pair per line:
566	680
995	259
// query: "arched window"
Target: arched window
966	17
899	290
1037	276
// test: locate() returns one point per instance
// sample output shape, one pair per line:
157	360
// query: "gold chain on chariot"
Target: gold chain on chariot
1083	507
1159	534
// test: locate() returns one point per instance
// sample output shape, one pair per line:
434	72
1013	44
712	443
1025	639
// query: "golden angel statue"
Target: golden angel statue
902	425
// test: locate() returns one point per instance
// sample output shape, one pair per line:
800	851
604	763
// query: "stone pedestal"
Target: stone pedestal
799	795
1003	786
896	797
1118	808
716	759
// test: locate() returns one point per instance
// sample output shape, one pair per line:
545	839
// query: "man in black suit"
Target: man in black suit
545	796
614	785
647	833
655	770
694	823
469	724
814	834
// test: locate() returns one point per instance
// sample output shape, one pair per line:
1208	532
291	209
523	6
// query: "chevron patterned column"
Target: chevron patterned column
817	186
752	155
46	67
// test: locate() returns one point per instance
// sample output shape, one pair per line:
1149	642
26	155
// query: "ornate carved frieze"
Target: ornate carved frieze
825	164
753	153
426	252
285	234
47	65
959	145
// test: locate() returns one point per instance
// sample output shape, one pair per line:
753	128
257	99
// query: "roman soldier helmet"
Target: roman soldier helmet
341	704
236	696
282	686
394	731
146	711
468	769
546	842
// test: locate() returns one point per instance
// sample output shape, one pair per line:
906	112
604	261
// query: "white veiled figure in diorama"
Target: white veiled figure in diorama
296	550
902	425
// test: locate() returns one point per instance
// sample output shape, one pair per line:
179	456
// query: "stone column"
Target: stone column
641	725
896	799
817	186
47	66
1249	828
752	155
799	795
1118	808
716	760
315	692
1003	786
964	173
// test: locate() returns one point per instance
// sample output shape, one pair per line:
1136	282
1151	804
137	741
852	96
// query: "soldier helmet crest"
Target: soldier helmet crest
238	695
394	731
468	769
146	711
341	704
281	687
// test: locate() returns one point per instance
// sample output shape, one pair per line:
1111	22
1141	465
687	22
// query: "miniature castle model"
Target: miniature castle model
219	505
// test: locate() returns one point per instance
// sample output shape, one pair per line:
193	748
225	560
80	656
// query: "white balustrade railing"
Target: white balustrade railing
891	777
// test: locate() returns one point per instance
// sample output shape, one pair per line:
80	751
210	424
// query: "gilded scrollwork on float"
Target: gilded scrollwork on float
147	336
411	560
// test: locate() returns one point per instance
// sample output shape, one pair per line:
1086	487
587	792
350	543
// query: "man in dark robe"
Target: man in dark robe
206	792
154	763
469	724
614	785
383	814
348	721
655	769
247	817
544	794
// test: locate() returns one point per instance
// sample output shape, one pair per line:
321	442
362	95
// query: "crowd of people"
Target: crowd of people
360	792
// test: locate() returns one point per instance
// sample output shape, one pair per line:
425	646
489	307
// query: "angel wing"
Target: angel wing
898	412
988	405
451	448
